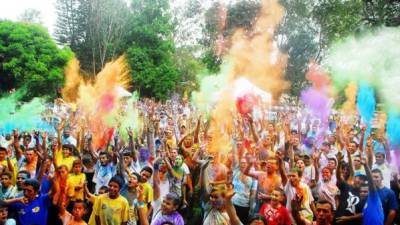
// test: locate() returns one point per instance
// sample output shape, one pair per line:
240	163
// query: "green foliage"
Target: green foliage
93	29
338	19
31	60
239	15
150	49
188	68
298	37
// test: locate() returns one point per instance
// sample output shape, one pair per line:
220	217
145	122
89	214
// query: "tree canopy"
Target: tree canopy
30	59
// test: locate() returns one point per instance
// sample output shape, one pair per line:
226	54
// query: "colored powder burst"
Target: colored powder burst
253	57
130	120
317	102
72	81
366	103
27	117
393	129
7	106
210	87
374	59
316	98
99	100
349	106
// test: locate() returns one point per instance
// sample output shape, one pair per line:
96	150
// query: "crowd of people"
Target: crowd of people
278	171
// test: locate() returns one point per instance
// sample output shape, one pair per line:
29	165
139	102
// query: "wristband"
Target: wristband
140	205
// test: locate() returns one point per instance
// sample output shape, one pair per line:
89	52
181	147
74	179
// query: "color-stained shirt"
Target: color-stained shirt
112	211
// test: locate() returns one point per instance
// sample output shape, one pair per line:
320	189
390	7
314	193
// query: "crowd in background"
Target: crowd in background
278	170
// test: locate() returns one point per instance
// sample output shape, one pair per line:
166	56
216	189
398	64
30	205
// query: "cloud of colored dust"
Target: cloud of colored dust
98	100
22	116
317	98
372	58
349	106
253	56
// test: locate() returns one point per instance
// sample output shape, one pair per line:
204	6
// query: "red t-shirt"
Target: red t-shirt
278	216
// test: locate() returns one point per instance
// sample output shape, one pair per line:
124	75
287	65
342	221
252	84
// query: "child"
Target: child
274	211
4	215
75	183
78	211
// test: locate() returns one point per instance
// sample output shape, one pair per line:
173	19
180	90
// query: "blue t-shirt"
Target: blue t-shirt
33	213
388	200
373	211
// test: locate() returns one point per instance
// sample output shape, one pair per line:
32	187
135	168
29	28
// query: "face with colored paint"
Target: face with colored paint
187	142
271	166
178	161
216	200
326	175
62	171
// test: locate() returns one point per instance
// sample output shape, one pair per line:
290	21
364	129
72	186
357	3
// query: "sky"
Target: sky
11	9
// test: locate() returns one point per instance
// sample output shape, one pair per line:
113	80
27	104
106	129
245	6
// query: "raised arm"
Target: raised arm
281	166
252	129
156	179
17	146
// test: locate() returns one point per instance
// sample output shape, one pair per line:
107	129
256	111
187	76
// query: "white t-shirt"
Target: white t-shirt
290	192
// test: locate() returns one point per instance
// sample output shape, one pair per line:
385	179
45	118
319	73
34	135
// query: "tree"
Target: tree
68	27
188	68
150	49
30	59
298	36
239	15
93	29
31	16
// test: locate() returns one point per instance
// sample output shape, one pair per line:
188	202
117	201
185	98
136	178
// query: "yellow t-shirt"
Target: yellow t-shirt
111	211
76	180
92	219
64	161
147	193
